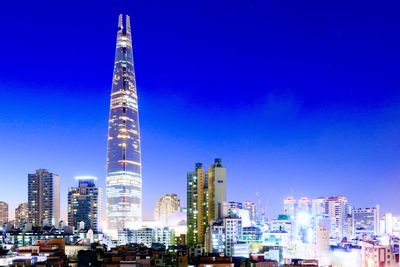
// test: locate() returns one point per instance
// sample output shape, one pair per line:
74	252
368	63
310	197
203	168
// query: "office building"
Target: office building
290	206
223	234
216	189
124	168
366	221
3	213
84	204
165	206
233	233
304	205
318	206
251	207
337	209
236	209
197	205
43	197
21	214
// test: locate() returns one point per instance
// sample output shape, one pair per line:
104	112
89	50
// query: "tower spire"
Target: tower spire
128	24
120	22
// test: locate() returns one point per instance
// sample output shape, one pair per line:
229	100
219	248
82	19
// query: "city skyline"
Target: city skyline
290	135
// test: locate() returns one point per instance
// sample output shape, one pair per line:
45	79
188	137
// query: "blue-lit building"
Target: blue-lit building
124	169
84	204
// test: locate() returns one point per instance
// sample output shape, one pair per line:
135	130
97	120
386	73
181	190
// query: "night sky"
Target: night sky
294	96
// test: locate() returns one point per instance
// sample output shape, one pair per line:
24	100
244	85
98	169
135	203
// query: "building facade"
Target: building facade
290	206
337	210
251	207
43	197
366	221
84	203
216	189
21	214
124	168
165	206
197	205
3	213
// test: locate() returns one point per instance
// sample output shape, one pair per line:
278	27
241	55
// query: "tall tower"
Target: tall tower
124	168
216	189
3	213
43	197
197	209
84	203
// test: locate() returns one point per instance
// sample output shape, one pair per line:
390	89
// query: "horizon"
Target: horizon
295	103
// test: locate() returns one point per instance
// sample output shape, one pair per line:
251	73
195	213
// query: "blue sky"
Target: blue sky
293	96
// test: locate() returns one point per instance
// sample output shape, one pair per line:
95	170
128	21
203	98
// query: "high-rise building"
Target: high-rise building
165	206
251	207
124	167
233	233
290	206
3	213
366	221
318	206
304	205
197	210
216	189
84	203
43	197
223	234
337	210
21	214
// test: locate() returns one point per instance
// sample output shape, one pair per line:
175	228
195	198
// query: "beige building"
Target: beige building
3	212
21	214
216	189
165	206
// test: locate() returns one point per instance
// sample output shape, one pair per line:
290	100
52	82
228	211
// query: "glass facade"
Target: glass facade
124	170
84	204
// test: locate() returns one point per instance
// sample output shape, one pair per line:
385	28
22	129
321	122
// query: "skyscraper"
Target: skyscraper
337	210
21	214
216	189
43	197
3	213
366	221
84	203
290	207
165	206
124	168
196	205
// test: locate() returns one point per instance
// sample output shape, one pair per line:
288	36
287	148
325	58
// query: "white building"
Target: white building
337	210
233	233
366	221
165	206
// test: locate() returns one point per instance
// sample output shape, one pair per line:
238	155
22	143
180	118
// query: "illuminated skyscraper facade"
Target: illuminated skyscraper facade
84	203
43	197
124	170
197	205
